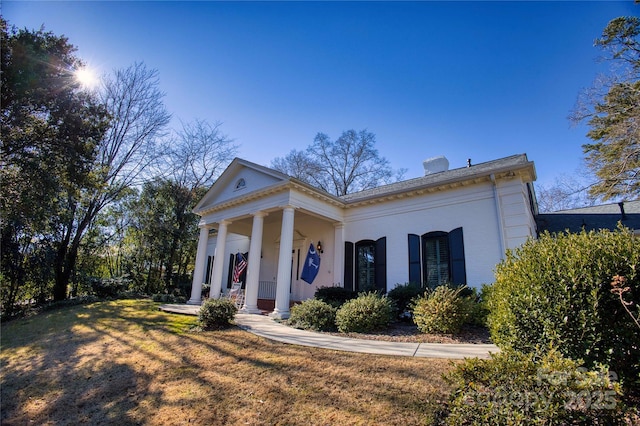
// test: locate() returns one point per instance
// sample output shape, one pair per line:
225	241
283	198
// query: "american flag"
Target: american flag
241	263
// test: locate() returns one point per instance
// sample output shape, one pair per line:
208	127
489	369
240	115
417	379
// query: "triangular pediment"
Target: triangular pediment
240	178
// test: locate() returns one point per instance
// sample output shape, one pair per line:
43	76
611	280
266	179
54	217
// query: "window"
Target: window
437	258
241	184
435	253
365	265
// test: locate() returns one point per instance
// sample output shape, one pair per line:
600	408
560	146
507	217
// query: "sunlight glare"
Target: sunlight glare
86	77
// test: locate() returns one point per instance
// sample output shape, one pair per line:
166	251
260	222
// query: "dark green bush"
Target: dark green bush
216	314
513	388
109	287
335	296
442	310
556	291
402	295
368	312
479	311
313	314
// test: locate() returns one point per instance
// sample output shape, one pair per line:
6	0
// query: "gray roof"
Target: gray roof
606	216
475	171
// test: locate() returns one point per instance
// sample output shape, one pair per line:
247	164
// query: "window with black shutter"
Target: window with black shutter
437	258
365	265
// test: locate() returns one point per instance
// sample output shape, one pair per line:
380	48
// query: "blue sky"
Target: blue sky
479	80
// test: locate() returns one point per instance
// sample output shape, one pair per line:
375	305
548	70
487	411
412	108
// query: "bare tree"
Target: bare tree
567	192
195	157
138	119
197	154
349	164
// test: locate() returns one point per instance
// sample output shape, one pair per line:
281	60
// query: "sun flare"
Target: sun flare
86	77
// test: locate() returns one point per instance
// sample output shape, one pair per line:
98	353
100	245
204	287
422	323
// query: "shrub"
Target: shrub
313	314
442	310
335	296
523	389
556	291
109	287
479	311
368	312
402	295
216	314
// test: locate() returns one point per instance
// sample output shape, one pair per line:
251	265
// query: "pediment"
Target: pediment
239	179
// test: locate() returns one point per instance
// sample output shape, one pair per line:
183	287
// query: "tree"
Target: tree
50	130
612	110
198	154
138	119
163	223
567	192
349	164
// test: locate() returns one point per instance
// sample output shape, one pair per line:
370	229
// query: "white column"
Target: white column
283	280
201	261
338	254
218	260
253	266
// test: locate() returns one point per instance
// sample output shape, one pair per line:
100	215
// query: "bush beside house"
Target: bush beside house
514	388
556	292
313	314
368	312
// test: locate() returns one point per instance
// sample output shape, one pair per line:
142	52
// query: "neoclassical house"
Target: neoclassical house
446	226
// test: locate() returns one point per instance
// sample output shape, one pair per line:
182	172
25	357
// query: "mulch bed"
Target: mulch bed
408	332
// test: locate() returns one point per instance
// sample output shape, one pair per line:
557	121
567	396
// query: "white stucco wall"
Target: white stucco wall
471	207
518	222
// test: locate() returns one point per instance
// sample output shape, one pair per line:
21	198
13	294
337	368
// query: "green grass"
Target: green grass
125	362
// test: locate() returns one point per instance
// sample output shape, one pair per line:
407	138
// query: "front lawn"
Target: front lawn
125	362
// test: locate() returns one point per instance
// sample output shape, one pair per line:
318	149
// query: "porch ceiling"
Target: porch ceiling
243	225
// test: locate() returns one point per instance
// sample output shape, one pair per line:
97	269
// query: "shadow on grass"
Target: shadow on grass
125	362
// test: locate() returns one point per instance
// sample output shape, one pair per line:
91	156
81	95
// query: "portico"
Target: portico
280	219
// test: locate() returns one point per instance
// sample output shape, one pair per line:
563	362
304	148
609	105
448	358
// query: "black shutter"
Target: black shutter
414	259
348	265
456	257
243	275
207	277
380	262
232	262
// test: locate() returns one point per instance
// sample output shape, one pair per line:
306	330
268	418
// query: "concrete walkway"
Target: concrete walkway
267	327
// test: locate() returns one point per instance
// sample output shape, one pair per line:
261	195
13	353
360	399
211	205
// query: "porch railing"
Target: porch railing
267	290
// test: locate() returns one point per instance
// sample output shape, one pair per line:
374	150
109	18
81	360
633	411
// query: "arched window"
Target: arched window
241	184
365	266
437	258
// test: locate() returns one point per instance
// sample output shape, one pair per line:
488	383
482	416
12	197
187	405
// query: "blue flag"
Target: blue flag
311	265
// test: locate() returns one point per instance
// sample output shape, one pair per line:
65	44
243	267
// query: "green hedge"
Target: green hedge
556	292
335	296
313	314
402	296
368	312
216	314
513	388
443	310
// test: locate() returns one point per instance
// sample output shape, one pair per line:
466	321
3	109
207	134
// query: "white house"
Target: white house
446	226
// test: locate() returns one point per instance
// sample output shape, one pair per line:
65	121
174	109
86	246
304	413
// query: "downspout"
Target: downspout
496	200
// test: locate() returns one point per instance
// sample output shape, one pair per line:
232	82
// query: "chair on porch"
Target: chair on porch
236	295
